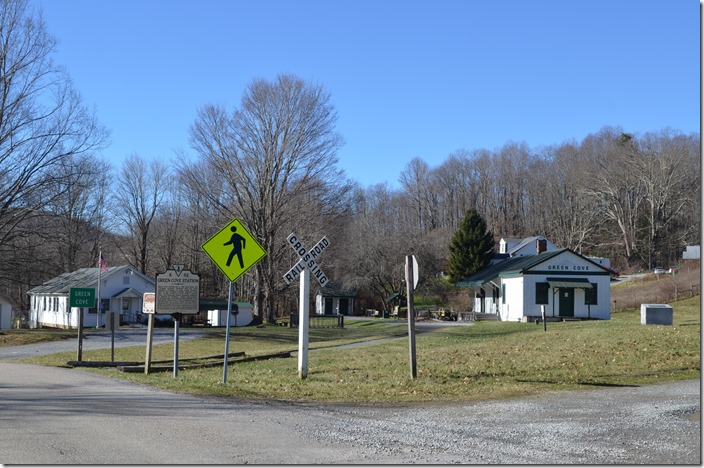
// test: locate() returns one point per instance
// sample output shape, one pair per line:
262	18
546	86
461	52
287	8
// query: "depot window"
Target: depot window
542	293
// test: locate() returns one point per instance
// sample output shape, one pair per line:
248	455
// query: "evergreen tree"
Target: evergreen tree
471	248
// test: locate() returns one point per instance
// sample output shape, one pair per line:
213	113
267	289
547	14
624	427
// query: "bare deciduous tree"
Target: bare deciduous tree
42	120
139	194
79	210
274	156
660	161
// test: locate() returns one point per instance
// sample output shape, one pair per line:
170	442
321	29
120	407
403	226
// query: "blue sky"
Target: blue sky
408	78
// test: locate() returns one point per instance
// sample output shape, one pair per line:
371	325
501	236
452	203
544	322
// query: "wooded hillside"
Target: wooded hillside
272	162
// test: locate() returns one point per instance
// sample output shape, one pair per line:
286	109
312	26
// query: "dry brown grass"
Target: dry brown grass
657	289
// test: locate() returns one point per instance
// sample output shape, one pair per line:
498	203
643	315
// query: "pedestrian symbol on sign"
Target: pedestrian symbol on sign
238	243
233	240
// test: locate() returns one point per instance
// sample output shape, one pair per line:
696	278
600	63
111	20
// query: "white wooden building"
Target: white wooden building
566	283
122	289
330	301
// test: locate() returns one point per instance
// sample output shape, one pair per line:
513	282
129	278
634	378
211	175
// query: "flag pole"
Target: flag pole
100	304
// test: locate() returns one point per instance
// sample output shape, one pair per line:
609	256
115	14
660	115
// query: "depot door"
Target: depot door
566	302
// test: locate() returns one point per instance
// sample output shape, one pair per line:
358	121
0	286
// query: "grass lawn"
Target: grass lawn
14	337
463	363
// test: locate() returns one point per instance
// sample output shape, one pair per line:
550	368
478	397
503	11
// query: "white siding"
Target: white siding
512	310
530	308
601	310
218	318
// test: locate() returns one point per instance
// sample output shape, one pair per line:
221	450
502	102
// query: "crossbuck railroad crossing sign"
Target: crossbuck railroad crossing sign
307	259
305	267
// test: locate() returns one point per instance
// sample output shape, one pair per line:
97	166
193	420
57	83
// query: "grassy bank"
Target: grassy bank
484	361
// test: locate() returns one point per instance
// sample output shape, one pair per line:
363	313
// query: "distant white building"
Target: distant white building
242	315
330	301
122	289
691	253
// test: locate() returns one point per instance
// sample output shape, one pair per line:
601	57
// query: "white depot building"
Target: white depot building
565	283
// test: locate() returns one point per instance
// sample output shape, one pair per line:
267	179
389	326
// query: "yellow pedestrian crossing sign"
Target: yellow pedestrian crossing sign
234	250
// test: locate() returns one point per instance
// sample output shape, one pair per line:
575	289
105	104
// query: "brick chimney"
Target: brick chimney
541	245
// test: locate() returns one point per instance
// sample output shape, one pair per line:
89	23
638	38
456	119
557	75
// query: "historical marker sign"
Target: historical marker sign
177	292
234	250
82	297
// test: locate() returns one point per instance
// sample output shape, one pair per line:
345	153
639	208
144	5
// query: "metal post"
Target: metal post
227	335
79	351
411	315
542	312
112	336
100	303
150	334
303	318
177	319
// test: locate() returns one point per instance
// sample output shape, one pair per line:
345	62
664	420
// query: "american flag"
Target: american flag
102	263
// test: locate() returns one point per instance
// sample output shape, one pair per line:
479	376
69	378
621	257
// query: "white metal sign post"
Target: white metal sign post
305	268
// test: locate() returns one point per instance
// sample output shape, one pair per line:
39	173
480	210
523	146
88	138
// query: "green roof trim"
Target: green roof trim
576	283
218	304
330	292
394	296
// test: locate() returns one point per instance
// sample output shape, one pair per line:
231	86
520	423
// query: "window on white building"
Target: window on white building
590	295
542	293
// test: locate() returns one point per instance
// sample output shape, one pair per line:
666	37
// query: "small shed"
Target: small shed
242	315
331	301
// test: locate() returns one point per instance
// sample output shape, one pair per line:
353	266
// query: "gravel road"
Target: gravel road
64	416
653	424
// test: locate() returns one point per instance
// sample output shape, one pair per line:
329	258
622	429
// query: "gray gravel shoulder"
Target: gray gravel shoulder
655	424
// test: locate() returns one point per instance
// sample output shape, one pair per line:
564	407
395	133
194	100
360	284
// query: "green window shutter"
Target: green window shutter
590	295
542	293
